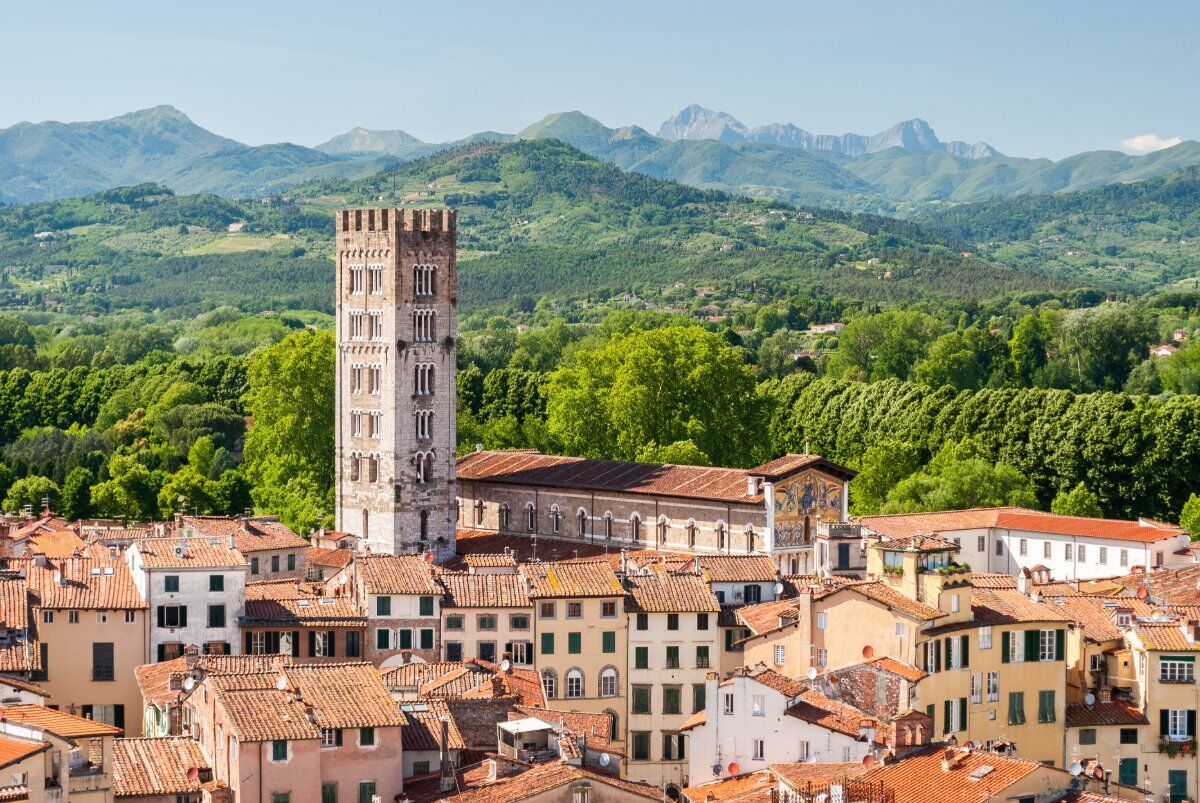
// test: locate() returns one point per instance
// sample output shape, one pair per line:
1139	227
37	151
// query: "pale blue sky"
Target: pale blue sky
1040	78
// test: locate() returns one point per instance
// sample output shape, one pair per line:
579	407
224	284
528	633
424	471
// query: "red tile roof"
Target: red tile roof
919	778
735	568
752	787
572	578
159	766
83	583
800	774
900	525
1116	712
769	678
172	553
817	709
654	479
424	729
57	722
465	590
1166	637
14	750
396	574
662	592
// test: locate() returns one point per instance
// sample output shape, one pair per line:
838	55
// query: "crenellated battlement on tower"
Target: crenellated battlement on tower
422	220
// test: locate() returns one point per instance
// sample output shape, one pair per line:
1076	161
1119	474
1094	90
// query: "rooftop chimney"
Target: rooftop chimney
446	779
751	486
1023	581
1105	695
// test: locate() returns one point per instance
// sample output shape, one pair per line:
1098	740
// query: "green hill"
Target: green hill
536	217
1136	236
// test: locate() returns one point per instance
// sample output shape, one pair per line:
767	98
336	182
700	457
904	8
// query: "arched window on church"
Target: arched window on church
635	527
530	517
720	535
478	511
691	533
505	516
555	519
608	526
581	522
662	531
424	525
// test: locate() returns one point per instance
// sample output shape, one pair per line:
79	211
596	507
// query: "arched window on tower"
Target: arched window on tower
424	525
635	527
555	519
608	526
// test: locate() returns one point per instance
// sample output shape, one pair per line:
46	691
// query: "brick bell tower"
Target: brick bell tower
394	432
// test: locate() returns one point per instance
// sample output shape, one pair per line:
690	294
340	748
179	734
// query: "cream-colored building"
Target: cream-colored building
579	637
673	646
92	630
487	616
59	757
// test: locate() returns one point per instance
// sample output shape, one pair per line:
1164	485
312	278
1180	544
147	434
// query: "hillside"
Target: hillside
536	218
1137	236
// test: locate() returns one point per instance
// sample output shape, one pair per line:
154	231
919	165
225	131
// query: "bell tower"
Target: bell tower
395	427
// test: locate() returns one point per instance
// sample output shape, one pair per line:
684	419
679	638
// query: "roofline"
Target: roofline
43	747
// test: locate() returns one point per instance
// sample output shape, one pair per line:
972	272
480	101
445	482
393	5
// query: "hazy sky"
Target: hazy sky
1045	78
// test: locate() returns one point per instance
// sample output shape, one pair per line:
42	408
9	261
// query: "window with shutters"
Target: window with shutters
1016	646
672	657
672	699
1016	708
547	644
1046	705
1177	724
641	657
426	606
1087	736
985	638
171	583
331	737
702	656
518	621
383	639
323	644
102	661
977	688
216	615
216	582
550	684
954	654
672	744
641	746
172	616
574	643
641	699
366	789
1047	650
609	686
699	696
256	643
780	654
1046	549
993	687
608	641
672	621
279	750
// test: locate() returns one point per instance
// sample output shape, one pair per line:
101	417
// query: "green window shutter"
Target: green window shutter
427	606
1191	722
962	713
405	638
547	644
426	638
929	709
337	737
1127	771
641	657
1060	641
937	656
966	653
1164	721
1031	644
1016	708
1004	647
946	715
608	641
574	643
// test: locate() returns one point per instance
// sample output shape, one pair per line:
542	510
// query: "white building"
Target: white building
196	590
1008	539
758	717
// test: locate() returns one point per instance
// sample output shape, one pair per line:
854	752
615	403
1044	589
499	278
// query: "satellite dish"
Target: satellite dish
735	768
604	759
505	664
1076	768
812	673
342	580
281	682
716	769
1075	784
188	683
778	589
868	651
1089	699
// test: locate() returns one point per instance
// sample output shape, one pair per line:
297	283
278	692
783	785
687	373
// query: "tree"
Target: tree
77	494
1189	517
1029	346
130	492
1101	345
965	359
185	490
1078	501
34	491
657	386
961	476
882	467
289	448
202	454
881	346
683	453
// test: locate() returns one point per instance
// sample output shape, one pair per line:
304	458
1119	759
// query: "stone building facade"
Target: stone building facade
394	430
777	509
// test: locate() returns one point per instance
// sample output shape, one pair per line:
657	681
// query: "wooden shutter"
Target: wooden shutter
248	642
946	714
183	616
1164	721
937	656
966	661
1191	722
962	713
332	643
162	617
1032	644
1060	638
1004	637
295	643
312	643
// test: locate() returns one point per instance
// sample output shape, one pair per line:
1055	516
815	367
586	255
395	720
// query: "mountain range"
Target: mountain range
904	170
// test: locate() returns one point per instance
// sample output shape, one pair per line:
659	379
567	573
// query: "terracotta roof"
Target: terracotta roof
20	656
899	668
919	778
765	616
55	544
307	612
993	607
993	580
472	542
1098	615
156	766
899	525
491	560
735	568
416	674
1168	637
251	534
670	593
284	589
331	558
751	787
530	468
161	553
263	715
57	722
886	595
817	709
396	574
14	750
769	678
572	579
1117	712
44	524
155	681
543	778
465	590
14	603
23	685
424	729
596	727
694	721
345	695
83	583
789	464
801	773
918	543
456	682
1169	586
